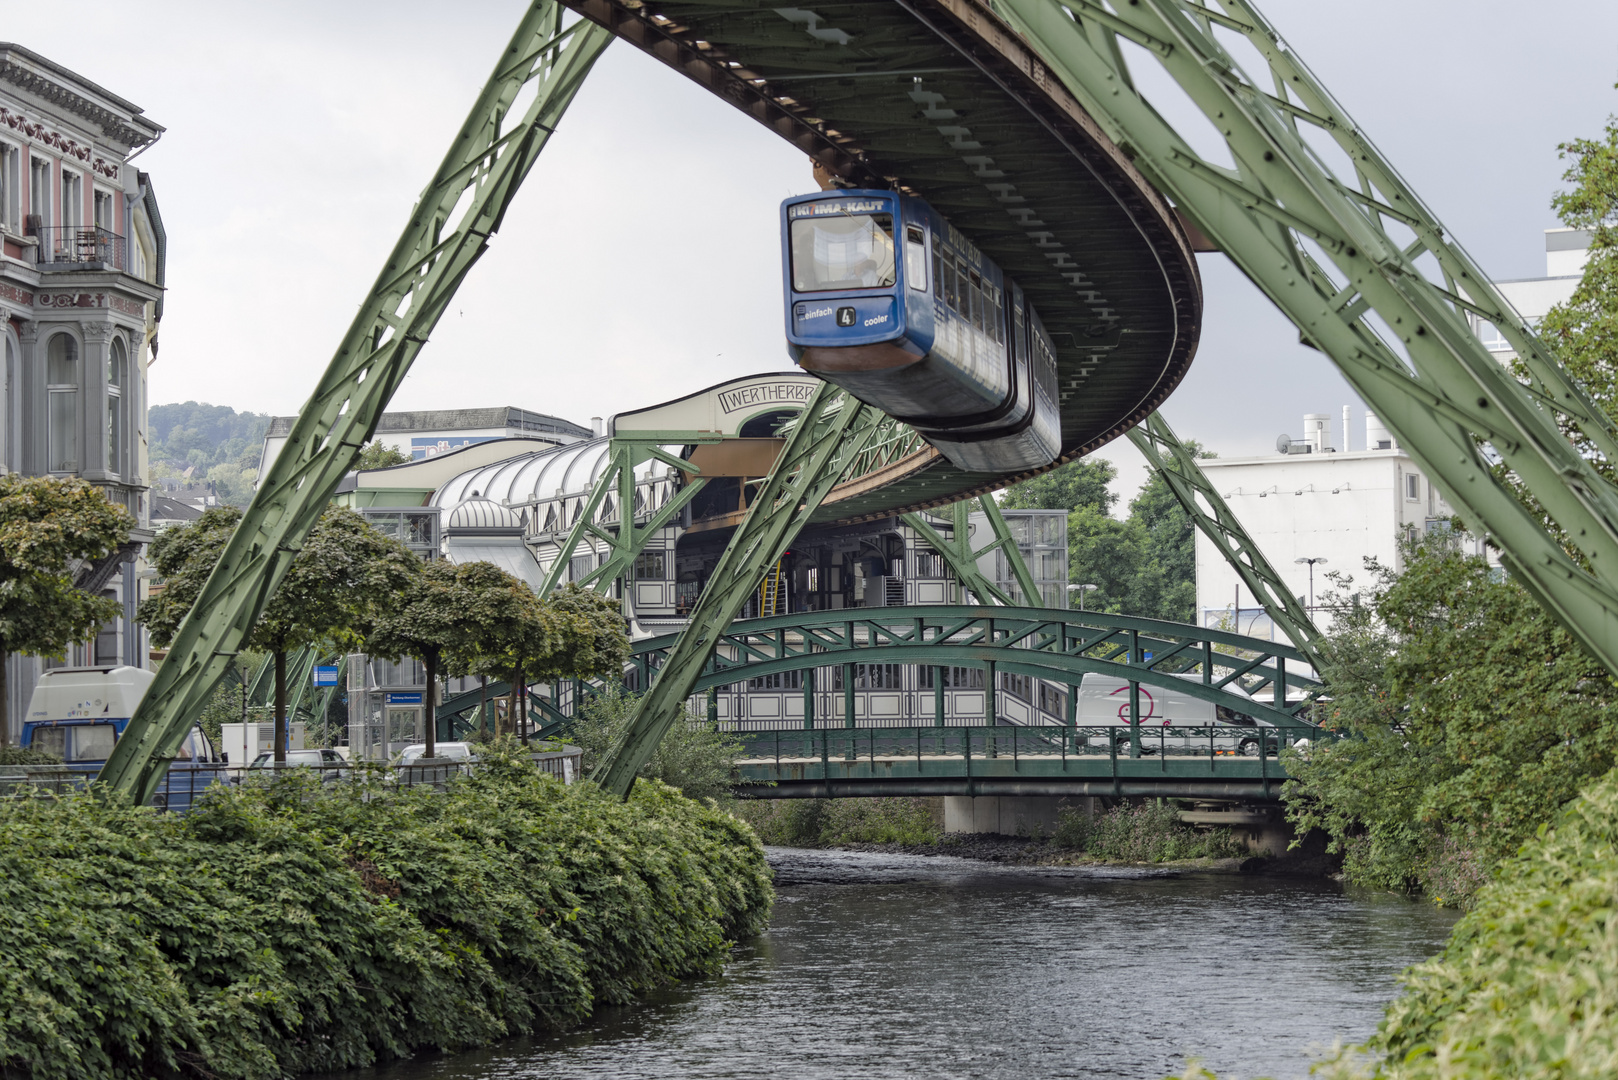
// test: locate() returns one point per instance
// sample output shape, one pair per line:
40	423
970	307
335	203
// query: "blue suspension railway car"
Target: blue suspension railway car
885	299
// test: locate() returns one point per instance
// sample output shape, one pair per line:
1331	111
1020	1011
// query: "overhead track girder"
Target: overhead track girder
823	445
449	229
1177	464
1327	249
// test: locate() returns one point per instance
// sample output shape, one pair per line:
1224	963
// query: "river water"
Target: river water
908	966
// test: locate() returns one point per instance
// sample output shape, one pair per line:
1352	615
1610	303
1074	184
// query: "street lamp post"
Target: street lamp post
1311	563
1081	590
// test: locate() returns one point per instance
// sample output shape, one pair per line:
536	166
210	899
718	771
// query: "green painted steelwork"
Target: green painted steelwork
963	559
823	444
1212	761
448	231
626	542
1344	250
1178	466
1059	646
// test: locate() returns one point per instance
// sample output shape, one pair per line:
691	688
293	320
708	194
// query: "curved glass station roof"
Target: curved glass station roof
542	475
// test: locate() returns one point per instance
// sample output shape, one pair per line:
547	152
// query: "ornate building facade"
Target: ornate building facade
82	253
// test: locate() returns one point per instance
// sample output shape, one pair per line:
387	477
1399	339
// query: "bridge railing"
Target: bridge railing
1102	741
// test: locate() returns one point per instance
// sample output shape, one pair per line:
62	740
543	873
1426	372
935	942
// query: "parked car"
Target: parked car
455	751
329	762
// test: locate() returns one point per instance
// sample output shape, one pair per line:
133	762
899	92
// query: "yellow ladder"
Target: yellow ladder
771	592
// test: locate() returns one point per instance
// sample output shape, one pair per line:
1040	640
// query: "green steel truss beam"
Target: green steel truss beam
448	230
626	542
822	445
1178	466
1056	645
958	552
1343	252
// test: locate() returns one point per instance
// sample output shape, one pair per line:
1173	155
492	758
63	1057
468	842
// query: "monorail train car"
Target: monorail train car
885	299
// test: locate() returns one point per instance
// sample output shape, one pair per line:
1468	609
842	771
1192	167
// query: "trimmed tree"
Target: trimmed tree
46	525
574	633
345	578
449	613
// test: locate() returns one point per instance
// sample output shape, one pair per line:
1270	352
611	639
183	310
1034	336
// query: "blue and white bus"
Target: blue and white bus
79	714
887	300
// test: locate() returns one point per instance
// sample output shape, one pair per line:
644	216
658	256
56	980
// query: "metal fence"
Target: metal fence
83	244
184	784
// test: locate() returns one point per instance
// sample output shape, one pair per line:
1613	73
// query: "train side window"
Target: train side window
938	272
976	294
915	258
951	285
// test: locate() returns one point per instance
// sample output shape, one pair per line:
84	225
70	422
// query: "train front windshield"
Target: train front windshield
850	251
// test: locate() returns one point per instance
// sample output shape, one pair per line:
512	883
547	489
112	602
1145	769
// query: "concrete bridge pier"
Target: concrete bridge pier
1011	815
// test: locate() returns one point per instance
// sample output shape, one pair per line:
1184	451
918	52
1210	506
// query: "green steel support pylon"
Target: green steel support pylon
963	559
1178	466
1347	251
448	230
623	456
822	445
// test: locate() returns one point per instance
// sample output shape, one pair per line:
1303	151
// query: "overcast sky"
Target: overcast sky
641	260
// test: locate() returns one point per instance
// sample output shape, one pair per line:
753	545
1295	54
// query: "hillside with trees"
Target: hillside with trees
203	444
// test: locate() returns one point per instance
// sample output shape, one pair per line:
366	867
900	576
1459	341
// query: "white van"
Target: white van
1104	701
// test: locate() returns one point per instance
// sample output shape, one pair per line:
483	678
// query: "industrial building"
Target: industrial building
82	253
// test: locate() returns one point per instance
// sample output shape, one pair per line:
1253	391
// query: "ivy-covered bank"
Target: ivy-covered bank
296	927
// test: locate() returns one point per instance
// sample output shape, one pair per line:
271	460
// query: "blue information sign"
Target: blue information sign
325	676
404	699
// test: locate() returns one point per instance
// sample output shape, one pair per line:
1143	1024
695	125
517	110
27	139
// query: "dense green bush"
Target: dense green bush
821	822
692	757
292	926
1149	831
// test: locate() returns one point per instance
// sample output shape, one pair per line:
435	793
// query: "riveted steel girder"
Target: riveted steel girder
1341	251
958	551
448	231
1178	466
824	442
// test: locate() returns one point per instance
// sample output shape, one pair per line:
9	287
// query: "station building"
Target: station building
82	252
515	502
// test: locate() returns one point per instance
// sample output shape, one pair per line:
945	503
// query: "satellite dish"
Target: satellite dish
1283	444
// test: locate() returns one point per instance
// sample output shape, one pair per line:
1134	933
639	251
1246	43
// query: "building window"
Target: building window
39	190
103	210
62	413
10	188
117	369
871	677
781	680
955	678
579	568
651	566
72	199
1413	487
1020	685
106	642
929	564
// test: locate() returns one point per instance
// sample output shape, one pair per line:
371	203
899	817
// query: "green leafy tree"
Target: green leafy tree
47	525
1584	330
203	435
345	577
1471	717
574	633
232	483
1077	484
453	611
378	455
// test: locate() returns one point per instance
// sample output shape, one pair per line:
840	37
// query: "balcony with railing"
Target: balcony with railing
81	247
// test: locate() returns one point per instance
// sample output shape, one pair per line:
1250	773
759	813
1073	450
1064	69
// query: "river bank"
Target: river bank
294	926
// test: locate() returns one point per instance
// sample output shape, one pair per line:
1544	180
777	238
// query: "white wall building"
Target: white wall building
1316	502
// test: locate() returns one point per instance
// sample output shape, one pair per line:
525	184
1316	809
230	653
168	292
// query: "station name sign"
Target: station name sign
795	392
841	206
